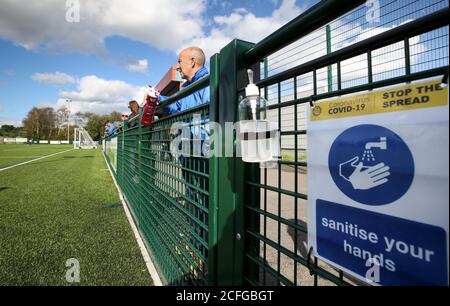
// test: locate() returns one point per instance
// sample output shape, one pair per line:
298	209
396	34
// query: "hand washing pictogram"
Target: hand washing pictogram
364	176
371	164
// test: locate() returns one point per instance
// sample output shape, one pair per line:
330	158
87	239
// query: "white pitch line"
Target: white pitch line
8	157
33	160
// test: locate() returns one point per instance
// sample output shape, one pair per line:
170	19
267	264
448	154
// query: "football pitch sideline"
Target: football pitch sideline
62	212
15	154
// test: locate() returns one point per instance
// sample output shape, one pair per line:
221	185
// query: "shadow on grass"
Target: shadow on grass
61	159
4	188
115	205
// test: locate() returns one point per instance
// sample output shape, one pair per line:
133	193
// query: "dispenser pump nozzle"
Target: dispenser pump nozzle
251	89
250	76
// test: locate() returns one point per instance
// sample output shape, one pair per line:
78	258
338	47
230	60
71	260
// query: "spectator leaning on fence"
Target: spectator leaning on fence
134	108
106	129
119	124
191	62
190	65
111	128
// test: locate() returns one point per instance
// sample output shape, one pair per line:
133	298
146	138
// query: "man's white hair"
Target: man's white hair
197	53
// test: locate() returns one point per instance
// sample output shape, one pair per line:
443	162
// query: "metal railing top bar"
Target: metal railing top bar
108	137
200	84
368	86
314	18
184	112
413	28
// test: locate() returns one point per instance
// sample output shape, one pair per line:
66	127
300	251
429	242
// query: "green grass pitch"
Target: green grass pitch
62	207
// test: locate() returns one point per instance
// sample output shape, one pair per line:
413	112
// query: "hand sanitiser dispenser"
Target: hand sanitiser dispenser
255	131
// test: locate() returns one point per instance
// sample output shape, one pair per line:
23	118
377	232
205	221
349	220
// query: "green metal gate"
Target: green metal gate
219	221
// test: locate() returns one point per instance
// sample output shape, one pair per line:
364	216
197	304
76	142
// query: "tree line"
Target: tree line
46	123
7	130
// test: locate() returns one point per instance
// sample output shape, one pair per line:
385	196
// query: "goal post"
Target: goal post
82	139
75	137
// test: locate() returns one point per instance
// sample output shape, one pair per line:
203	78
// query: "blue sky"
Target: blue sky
116	48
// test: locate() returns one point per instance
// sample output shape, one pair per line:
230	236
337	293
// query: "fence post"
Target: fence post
213	172
230	197
122	140
330	67
139	166
252	198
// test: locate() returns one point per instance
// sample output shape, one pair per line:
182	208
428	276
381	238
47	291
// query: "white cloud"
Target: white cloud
138	66
10	121
100	96
241	10
181	23
245	25
56	78
160	23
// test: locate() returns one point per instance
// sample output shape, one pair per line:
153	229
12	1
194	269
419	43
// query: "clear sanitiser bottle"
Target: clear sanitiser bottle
254	127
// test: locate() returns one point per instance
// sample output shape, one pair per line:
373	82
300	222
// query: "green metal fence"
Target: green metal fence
219	221
168	195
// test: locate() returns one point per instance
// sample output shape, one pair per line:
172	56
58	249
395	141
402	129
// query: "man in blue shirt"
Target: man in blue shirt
191	62
190	65
110	128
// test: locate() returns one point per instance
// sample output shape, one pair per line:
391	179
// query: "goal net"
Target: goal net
82	140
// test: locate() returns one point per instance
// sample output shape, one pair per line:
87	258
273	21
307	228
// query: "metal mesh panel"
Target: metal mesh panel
168	194
119	172
429	50
130	168
174	202
349	29
281	255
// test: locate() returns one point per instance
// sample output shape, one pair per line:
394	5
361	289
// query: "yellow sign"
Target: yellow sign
402	98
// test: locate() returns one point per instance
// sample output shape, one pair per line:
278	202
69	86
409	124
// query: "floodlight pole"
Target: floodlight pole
68	121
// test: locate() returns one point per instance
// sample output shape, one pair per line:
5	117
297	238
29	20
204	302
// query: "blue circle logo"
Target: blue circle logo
371	164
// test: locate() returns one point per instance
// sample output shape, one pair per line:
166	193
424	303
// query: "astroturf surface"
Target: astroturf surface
59	208
18	153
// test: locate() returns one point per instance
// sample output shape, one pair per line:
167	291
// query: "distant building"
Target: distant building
170	83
